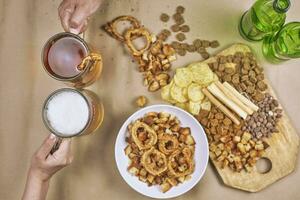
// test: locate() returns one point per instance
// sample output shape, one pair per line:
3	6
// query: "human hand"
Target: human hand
74	14
44	164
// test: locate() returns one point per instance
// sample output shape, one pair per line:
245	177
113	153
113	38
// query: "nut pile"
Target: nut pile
154	59
161	152
263	123
180	29
243	72
228	144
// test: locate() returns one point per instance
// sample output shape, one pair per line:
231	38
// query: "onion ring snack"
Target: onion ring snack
133	34
167	144
161	152
111	27
143	136
154	161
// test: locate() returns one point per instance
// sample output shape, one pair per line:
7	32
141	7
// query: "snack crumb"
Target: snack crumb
141	101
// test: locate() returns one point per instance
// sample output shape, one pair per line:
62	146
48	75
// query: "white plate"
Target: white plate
201	153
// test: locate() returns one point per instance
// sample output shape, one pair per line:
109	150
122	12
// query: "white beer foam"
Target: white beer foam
67	112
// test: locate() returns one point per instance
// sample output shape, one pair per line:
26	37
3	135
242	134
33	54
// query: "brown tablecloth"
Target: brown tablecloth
26	25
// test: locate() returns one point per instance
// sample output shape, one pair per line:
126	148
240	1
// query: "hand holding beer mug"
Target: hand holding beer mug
44	165
74	14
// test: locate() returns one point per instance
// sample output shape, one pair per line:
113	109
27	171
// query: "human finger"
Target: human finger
79	17
64	149
65	13
46	146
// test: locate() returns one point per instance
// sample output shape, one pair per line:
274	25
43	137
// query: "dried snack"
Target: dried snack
180	9
197	43
154	162
183	77
202	74
143	135
228	144
194	92
184	28
180	37
263	123
185	90
154	59
164	17
111	27
137	32
175	28
167	162
214	44
141	101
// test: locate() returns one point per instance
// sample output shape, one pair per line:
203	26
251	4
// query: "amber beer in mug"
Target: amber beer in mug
67	57
68	112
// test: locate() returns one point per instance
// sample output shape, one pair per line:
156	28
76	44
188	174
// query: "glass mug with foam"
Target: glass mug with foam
67	57
68	112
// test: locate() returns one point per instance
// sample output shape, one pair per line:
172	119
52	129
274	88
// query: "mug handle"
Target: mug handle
56	145
92	58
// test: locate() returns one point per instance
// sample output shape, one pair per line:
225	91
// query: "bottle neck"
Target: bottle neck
281	6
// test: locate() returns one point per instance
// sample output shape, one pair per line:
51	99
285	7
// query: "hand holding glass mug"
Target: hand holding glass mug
74	14
44	165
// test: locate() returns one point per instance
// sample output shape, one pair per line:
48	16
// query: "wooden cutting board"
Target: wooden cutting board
282	153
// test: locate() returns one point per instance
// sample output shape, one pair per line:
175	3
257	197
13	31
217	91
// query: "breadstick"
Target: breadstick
219	105
232	97
246	101
217	93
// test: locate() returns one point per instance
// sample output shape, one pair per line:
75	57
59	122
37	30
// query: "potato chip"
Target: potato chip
183	77
206	105
165	93
183	106
194	92
185	92
201	74
216	78
194	107
177	94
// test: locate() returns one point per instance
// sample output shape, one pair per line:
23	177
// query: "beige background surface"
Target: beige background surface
26	24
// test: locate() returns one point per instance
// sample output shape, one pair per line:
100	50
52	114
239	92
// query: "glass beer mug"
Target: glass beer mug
67	57
69	112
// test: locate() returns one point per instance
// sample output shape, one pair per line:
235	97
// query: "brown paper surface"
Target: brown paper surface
24	28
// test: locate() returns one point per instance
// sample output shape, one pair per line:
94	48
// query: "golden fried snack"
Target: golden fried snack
168	159
132	34
111	27
181	163
167	144
143	135
154	161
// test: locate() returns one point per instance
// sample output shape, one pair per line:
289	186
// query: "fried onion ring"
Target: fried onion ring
167	144
154	161
186	166
151	135
132	34
111	27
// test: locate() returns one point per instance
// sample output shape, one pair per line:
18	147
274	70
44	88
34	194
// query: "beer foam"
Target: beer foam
67	112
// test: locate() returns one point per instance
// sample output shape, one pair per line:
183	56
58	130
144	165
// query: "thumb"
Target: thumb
78	18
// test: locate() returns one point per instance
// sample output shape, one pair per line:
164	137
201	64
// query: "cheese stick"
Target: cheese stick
246	101
232	97
219	94
220	106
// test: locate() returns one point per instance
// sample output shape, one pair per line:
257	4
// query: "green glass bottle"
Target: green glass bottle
284	45
264	18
